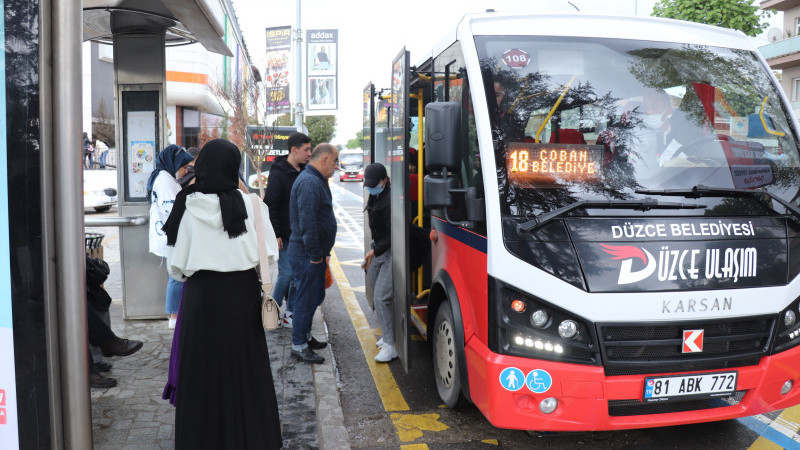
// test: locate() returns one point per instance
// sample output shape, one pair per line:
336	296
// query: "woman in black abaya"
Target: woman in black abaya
225	397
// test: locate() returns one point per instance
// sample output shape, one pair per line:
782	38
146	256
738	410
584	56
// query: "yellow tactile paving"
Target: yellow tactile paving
388	389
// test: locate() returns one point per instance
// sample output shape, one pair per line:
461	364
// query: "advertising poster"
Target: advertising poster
322	69
9	430
276	78
142	150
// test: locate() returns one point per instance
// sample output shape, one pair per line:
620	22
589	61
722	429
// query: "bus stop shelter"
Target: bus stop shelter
44	395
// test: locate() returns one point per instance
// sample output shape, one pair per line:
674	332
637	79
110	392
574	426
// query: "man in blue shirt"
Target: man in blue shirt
313	235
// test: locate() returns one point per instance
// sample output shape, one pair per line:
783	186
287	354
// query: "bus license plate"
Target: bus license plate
676	387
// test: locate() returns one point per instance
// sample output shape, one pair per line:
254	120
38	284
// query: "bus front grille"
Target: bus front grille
618	408
656	348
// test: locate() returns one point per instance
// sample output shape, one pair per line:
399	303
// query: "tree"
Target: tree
358	141
737	14
321	128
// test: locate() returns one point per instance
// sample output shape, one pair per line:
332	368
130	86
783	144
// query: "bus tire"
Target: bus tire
445	359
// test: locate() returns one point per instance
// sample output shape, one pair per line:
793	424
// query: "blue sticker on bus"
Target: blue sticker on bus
512	379
538	381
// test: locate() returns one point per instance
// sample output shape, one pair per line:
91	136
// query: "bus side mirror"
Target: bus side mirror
436	193
476	207
442	131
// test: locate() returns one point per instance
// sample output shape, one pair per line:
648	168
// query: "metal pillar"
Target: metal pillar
298	104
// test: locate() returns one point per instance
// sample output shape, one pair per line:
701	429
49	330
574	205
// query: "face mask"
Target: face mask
375	191
653	120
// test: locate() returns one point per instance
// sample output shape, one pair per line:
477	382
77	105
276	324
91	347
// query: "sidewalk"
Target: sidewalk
132	415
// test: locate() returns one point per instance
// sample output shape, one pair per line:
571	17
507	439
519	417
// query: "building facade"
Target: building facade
194	78
783	52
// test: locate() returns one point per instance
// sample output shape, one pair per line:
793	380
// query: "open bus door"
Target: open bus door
398	172
368	147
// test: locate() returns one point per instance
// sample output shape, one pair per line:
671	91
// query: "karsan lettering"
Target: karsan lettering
708	229
692	305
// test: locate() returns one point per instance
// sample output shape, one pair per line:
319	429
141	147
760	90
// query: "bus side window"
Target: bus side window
452	85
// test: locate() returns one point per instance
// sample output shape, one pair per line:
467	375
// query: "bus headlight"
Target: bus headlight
539	330
568	329
788	335
539	318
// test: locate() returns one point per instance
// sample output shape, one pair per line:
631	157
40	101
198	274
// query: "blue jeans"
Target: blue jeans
174	292
284	287
103	157
309	280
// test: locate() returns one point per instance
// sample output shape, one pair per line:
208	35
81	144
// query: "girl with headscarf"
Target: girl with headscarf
226	397
162	187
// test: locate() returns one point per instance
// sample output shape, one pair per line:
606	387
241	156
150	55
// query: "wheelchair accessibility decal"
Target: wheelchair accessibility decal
538	381
512	379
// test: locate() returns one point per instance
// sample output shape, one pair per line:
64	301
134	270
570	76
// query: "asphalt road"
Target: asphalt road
428	423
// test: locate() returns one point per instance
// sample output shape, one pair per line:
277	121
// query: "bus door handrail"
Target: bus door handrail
118	221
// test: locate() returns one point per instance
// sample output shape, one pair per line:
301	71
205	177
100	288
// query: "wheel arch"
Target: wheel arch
442	290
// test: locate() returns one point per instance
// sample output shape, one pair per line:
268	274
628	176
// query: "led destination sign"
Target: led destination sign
546	164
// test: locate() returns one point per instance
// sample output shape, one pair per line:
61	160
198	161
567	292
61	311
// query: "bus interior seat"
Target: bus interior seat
567	136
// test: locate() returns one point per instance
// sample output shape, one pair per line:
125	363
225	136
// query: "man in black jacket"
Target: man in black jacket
378	261
282	174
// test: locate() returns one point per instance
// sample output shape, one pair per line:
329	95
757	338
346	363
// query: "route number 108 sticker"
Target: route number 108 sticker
516	58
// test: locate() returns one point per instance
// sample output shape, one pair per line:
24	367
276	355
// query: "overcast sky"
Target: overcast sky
372	32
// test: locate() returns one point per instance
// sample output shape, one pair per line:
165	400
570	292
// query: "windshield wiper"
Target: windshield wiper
708	191
643	205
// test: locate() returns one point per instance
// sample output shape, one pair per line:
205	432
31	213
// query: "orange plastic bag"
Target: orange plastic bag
328	275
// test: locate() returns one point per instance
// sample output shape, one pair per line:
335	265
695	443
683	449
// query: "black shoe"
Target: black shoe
314	344
308	355
98	381
120	347
102	366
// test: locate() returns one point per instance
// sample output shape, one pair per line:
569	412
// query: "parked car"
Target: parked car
99	190
351	165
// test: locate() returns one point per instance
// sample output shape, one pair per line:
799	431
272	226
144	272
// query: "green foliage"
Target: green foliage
358	141
284	121
321	128
737	14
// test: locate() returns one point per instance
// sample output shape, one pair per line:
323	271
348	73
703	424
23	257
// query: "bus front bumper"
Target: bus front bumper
589	400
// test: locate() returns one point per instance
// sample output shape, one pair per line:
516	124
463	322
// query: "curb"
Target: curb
330	419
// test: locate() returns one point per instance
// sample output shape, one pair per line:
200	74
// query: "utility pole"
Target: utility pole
298	70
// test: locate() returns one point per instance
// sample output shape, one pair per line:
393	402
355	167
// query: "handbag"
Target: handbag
270	311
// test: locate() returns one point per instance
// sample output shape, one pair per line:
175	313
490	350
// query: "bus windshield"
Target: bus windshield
598	119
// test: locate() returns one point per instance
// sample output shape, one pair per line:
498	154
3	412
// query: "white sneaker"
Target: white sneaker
287	320
172	322
387	353
379	344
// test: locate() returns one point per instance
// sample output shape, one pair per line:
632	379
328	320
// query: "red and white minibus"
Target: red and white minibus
613	214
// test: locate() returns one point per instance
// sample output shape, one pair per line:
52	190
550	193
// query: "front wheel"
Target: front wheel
445	359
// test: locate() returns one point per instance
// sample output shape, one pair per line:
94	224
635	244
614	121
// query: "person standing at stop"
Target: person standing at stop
313	235
378	261
282	175
162	188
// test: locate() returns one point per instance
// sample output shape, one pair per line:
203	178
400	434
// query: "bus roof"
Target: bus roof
602	26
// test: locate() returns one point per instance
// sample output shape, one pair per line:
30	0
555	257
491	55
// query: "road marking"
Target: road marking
491	441
345	191
414	447
388	389
411	427
780	433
